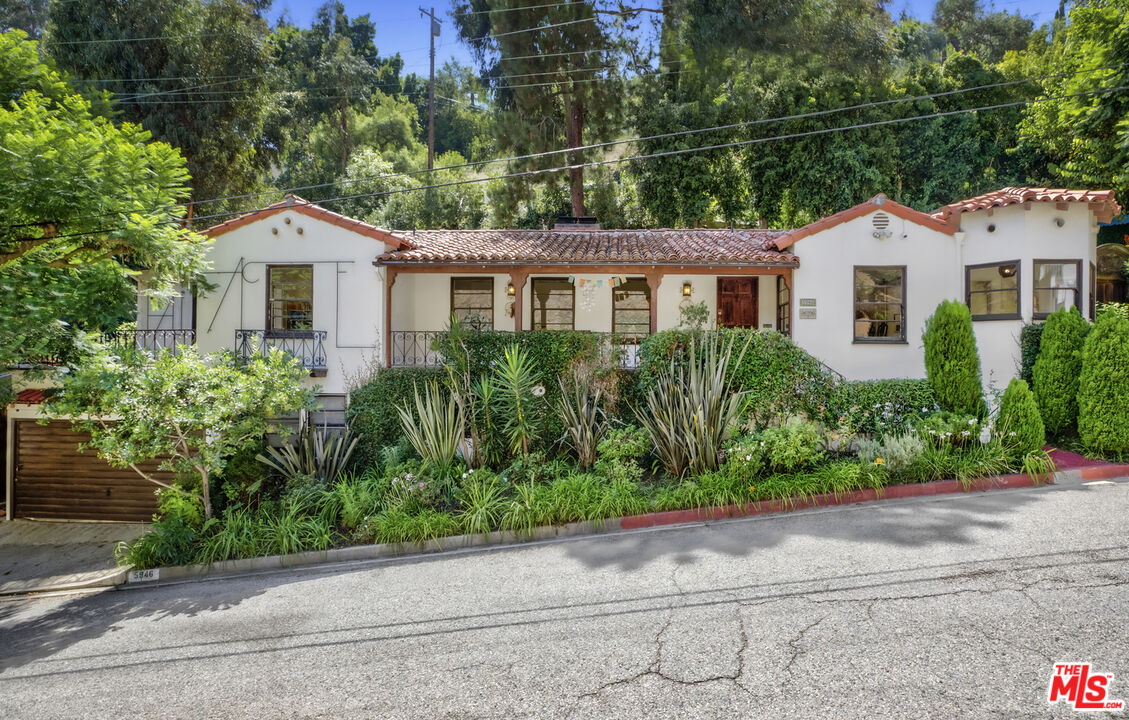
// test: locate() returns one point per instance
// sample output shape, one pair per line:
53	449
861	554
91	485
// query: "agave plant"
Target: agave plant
437	428
584	420
691	410
320	454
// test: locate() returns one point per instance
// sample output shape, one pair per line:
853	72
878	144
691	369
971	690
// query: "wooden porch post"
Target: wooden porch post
786	275
518	277
389	281
654	279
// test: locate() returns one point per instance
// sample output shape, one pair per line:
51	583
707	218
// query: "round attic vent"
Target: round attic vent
881	221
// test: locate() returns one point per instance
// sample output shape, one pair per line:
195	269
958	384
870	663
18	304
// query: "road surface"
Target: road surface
938	608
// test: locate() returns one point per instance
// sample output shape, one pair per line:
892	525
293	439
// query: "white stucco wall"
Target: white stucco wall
348	289
826	274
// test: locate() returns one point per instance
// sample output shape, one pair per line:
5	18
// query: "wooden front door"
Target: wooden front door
737	302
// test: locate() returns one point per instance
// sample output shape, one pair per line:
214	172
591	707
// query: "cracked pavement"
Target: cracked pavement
945	607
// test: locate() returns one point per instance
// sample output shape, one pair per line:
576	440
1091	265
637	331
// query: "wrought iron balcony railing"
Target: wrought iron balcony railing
152	340
306	345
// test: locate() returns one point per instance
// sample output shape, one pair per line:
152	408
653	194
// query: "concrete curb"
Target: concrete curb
123	576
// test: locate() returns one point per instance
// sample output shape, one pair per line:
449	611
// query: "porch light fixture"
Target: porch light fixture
687	289
510	289
1007	270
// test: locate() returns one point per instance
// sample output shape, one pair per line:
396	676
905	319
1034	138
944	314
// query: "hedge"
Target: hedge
1103	388
1057	369
1019	419
1030	340
952	363
878	407
372	409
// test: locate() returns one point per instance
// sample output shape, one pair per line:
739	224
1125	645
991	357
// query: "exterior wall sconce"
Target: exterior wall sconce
687	289
510	289
1007	270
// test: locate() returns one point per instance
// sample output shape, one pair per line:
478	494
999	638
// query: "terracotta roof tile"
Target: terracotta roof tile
1103	201
34	396
874	204
297	204
591	247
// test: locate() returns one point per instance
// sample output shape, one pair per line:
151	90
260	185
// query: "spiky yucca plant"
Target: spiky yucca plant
584	420
316	453
436	429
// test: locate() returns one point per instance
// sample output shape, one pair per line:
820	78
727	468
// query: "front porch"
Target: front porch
624	302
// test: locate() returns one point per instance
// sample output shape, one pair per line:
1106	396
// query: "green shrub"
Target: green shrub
619	452
372	412
1019	423
1112	308
536	468
1057	368
1103	388
952	363
877	406
531	507
292	531
745	459
1030	339
895	453
792	446
483	504
172	537
950	429
236	535
398	525
618	498
435	425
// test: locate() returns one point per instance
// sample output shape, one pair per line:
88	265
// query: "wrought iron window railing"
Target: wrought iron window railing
152	340
306	345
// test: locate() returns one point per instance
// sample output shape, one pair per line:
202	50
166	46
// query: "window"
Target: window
880	304
783	306
993	290
1056	285
472	301
631	309
553	300
290	299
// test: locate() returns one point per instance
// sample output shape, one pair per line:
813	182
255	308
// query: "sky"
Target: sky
400	28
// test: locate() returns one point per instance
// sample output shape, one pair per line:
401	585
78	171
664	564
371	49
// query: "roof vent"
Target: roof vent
881	223
575	222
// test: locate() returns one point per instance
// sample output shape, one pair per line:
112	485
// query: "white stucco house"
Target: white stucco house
854	289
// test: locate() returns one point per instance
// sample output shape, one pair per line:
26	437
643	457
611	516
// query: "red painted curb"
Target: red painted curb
765	507
1103	472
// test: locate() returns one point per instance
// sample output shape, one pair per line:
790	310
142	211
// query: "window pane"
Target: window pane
879	303
1047	301
472	301
994	290
631	306
290	302
990	278
994	302
1055	275
552	304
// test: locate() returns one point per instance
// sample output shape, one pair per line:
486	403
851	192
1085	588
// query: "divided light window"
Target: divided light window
993	290
880	304
472	301
631	310
1057	285
290	298
553	302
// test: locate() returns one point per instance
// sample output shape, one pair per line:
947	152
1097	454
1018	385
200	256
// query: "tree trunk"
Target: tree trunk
344	138
574	135
206	495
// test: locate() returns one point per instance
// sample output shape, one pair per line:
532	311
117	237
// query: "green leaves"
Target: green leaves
437	428
513	377
952	362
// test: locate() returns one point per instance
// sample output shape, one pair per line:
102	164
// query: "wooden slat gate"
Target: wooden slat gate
53	480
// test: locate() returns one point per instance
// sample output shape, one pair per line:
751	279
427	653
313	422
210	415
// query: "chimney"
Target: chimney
578	224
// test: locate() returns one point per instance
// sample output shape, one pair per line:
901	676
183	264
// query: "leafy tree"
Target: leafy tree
555	86
1058	367
201	80
453	207
952	363
1103	387
1019	420
190	412
27	15
968	27
464	123
86	203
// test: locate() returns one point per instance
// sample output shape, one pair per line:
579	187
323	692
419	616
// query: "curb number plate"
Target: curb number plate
144	575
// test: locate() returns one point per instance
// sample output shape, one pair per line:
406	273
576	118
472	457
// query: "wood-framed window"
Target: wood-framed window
472	301
880	304
290	298
631	309
1056	284
992	290
783	306
554	300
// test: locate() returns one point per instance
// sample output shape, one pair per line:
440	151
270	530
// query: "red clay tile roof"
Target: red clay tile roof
31	397
297	204
591	247
1102	202
874	204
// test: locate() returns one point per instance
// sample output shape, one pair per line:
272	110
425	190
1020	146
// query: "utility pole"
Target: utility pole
431	89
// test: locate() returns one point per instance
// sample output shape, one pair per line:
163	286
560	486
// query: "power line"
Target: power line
633	158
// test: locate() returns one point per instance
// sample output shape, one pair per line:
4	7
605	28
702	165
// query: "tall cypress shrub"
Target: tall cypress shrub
952	363
1057	367
1019	419
1103	387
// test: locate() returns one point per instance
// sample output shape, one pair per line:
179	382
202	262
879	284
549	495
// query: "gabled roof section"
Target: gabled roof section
1101	202
577	248
874	204
305	207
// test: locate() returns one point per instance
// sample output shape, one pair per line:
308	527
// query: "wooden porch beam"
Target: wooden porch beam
389	281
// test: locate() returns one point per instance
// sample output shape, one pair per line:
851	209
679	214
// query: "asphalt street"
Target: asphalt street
948	607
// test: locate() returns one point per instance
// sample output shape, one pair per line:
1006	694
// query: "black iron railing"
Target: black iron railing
152	340
413	348
306	345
